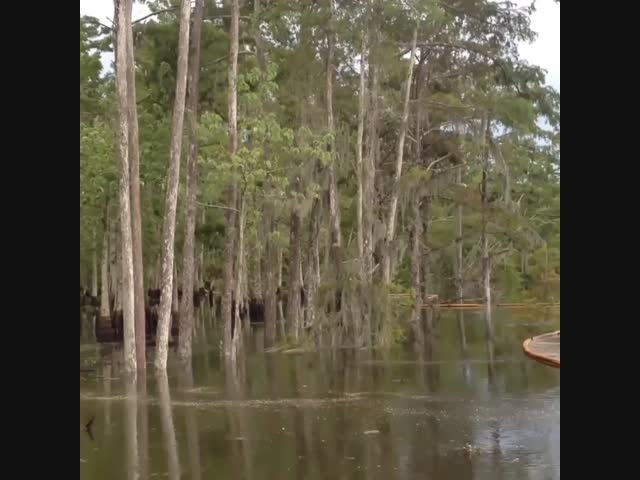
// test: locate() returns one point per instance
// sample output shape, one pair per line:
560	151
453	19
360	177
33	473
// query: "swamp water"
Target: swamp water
487	412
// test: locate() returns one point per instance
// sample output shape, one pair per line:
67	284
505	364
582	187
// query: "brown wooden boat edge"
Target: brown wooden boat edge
551	362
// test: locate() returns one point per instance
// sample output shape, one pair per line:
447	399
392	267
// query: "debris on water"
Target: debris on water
350	458
82	460
372	432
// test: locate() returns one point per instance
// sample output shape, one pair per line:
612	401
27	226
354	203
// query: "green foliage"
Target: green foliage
471	67
98	177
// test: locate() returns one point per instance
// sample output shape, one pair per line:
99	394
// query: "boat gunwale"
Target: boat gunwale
544	359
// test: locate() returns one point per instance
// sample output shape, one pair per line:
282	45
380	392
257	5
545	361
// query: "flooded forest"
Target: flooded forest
313	237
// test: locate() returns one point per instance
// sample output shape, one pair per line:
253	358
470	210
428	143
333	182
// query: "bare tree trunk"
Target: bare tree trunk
128	312
188	264
362	264
283	329
486	259
117	310
370	163
158	272
369	174
391	220
311	278
105	315
113	263
270	286
200	255
241	292
334	209
94	267
173	180
257	36
293	300
233	148
359	163
460	263
256	267
175	298
427	284
416	238
136	209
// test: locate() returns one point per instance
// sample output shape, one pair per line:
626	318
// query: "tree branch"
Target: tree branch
222	207
153	14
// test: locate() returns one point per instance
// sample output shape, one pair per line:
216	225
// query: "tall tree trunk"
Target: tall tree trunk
311	279
128	311
200	254
369	174
257	37
359	164
293	298
334	208
486	258
427	284
460	263
393	207
360	173
173	180
283	329
175	298
113	262
416	281
105	315
136	208
267	264
233	149
94	267
188	262
117	301
370	159
270	285
241	292
255	276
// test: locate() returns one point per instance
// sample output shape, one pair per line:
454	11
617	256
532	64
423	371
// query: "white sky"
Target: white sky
545	52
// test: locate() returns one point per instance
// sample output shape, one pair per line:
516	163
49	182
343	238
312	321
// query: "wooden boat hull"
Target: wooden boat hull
544	349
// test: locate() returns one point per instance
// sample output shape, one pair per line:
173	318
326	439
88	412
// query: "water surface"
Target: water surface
483	412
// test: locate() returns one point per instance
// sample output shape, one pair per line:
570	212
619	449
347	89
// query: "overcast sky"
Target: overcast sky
545	52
